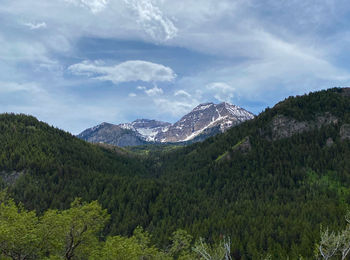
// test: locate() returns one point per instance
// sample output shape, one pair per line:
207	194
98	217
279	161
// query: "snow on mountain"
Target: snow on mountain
203	117
147	129
204	120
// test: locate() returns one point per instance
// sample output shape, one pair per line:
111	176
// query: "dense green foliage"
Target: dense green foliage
75	233
270	198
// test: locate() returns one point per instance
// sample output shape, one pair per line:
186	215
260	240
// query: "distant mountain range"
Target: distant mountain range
203	121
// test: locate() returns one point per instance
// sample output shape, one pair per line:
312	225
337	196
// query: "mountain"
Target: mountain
202	118
112	134
138	132
203	121
268	183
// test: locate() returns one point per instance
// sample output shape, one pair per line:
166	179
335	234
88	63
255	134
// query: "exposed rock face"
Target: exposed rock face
329	142
283	127
203	117
10	177
345	131
345	92
244	147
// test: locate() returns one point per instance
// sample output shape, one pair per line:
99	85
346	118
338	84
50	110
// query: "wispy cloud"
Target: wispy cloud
35	26
95	6
154	91
175	107
222	91
182	93
133	70
152	19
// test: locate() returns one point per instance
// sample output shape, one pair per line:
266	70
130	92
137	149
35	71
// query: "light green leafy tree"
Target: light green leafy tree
73	233
136	247
68	234
19	237
181	245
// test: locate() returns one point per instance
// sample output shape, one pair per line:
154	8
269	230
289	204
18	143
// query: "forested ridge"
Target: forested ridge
268	192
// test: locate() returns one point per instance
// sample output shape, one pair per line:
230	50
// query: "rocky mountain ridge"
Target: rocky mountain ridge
204	120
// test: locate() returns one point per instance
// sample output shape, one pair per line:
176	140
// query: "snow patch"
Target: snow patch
203	107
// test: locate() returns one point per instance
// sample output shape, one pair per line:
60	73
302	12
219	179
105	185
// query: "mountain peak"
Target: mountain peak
203	119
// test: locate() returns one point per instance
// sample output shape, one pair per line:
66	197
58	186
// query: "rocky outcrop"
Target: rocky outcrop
244	146
345	92
345	132
329	142
10	177
284	127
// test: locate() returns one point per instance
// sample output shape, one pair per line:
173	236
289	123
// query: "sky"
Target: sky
77	63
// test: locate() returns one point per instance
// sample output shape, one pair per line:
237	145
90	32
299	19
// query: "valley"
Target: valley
268	183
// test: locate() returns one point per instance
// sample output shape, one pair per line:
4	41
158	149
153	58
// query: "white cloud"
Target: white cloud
152	19
173	107
133	70
95	6
141	88
154	91
182	93
35	26
222	91
132	95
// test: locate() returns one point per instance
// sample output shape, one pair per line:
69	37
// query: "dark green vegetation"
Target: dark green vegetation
75	233
268	183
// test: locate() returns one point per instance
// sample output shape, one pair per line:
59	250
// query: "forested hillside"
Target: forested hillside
268	184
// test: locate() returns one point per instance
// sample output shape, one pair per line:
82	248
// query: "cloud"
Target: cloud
222	91
152	19
95	6
35	26
174	107
154	91
132	95
182	93
133	70
141	88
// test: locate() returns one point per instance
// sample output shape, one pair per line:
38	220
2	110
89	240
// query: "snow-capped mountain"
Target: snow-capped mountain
202	118
203	121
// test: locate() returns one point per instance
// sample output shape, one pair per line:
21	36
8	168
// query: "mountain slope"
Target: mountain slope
147	129
268	183
112	134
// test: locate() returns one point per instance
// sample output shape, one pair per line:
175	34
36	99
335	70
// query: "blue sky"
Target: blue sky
77	63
